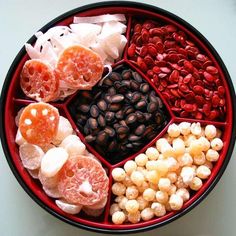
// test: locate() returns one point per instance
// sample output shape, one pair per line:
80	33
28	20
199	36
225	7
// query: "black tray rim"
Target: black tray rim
70	13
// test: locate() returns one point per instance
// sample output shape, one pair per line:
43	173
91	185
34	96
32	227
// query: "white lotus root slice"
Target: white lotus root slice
31	156
73	145
53	161
50	182
64	129
92	212
52	192
17	118
68	208
99	205
19	139
34	173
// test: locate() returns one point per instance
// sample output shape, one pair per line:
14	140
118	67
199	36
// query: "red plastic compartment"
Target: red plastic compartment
12	100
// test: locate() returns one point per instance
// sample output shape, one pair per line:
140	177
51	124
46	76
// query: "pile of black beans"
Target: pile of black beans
120	115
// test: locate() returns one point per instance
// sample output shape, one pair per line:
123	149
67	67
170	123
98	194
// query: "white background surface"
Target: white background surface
19	215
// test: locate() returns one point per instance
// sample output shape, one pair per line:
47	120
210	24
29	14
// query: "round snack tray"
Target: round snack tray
12	99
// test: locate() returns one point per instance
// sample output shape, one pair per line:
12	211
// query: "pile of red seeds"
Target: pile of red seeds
186	77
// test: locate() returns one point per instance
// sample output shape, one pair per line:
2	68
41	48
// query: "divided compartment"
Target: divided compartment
100	93
194	43
15	99
34	183
193	194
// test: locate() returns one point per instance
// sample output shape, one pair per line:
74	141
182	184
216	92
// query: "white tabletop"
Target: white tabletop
20	215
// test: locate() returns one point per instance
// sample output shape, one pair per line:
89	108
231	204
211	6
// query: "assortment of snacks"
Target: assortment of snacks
126	114
51	153
186	77
161	179
118	114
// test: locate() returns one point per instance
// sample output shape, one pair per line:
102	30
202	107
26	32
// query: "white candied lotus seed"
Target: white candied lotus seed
114	208
164	147
132	206
149	194
210	131
196	129
216	144
172	189
185	160
144	186
176	202
118	174
158	209
196	147
203	172
53	160
180	183
205	143
164	184
122	202
172	176
196	184
178	146
183	193
152	153
131	192
152	176
147	214
142	202
187	174
134	217
199	159
137	178
119	198
64	129
118	217
130	166
141	159
173	130
212	155
118	189
127	181
162	197
172	164
189	139
185	128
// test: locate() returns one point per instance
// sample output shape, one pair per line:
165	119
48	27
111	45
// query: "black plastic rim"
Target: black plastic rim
22	52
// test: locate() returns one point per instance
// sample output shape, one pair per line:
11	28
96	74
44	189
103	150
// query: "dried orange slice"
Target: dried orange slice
79	67
38	81
84	182
38	123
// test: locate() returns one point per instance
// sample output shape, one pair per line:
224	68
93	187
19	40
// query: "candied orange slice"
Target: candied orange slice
79	67
84	182
38	123
38	81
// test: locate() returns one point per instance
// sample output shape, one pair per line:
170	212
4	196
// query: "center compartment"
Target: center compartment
120	115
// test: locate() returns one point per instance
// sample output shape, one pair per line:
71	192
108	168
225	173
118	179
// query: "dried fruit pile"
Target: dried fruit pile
51	153
120	115
186	77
